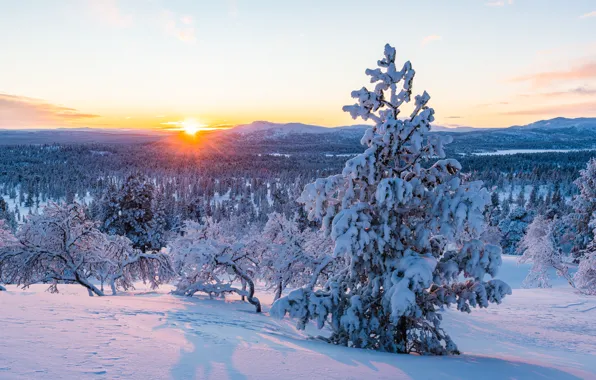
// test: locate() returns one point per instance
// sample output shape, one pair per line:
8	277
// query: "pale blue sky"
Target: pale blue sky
140	63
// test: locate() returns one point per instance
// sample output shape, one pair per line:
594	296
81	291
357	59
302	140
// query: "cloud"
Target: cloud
492	104
500	3
232	9
453	117
575	109
24	112
431	38
585	71
590	14
110	12
574	91
181	27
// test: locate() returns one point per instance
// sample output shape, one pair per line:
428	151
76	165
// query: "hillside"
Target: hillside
535	333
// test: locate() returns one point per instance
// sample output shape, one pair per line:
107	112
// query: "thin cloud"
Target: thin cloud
20	111
431	38
492	104
498	3
232	9
181	27
576	109
582	91
453	117
110	12
590	14
586	71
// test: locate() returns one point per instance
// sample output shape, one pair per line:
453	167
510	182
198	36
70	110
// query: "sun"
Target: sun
191	126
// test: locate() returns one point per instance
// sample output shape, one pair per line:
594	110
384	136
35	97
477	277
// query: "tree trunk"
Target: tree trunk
2	288
90	287
402	333
113	286
278	291
564	272
251	288
243	297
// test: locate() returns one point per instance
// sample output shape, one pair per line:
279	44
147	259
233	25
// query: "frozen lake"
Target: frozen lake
505	152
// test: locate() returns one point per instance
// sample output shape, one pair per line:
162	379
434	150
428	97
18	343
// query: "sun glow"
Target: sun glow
191	126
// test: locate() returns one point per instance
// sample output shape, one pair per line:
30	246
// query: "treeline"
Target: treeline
32	175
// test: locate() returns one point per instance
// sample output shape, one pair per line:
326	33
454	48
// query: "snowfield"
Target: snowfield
534	334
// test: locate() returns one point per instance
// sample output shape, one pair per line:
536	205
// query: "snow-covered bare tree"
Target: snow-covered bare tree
393	214
210	259
59	246
539	248
288	256
585	277
124	265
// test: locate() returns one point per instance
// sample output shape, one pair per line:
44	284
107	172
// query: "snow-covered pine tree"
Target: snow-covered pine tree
538	247
513	228
7	216
131	212
533	200
521	197
391	219
581	220
7	240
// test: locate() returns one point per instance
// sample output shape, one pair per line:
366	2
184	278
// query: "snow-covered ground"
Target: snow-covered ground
534	334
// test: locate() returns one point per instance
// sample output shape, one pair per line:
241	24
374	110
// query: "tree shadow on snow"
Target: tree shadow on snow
443	367
230	341
217	338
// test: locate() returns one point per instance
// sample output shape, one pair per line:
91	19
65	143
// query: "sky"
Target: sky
158	63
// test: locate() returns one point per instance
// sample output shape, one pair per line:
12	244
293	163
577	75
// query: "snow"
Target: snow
534	333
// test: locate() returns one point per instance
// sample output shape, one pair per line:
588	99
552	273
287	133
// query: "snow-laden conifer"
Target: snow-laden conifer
394	216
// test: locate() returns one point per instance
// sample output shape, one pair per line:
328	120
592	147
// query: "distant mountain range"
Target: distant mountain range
580	123
295	138
272	129
291	128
